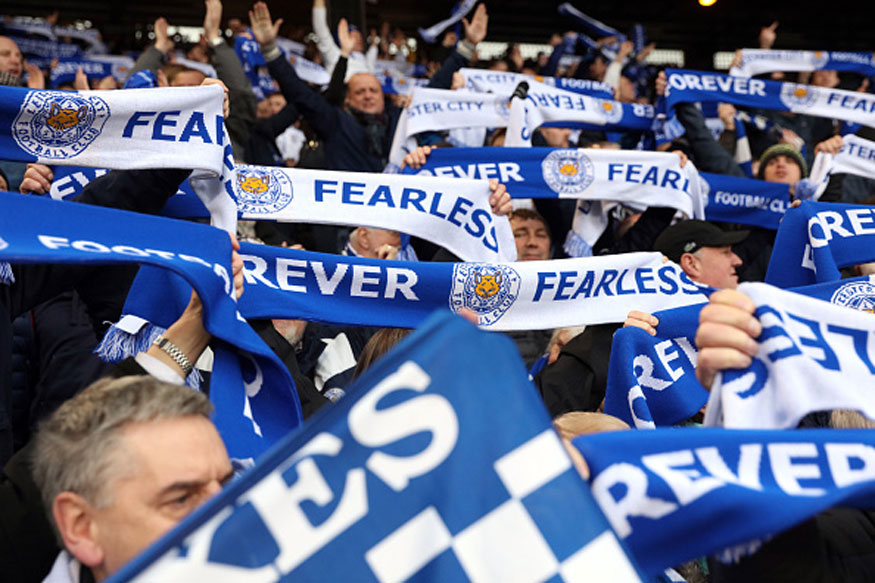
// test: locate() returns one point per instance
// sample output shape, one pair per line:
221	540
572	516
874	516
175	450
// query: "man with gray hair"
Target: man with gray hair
121	464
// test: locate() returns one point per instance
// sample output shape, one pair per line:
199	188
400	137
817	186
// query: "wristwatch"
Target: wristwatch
175	353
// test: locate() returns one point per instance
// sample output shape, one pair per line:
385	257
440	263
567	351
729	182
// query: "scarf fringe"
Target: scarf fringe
575	246
117	345
6	275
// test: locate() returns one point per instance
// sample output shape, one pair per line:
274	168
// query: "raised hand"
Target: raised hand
264	30
475	31
212	19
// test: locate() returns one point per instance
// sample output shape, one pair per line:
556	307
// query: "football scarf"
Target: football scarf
344	290
390	469
693	86
857	156
677	494
817	239
462	8
599	29
549	105
256	402
639	179
174	127
745	200
95	67
454	214
813	356
652	379
505	82
757	61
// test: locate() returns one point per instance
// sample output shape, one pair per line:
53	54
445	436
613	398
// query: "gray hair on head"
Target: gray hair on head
78	449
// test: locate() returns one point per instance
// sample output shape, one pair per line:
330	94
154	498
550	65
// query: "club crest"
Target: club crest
502	108
820	59
488	290
567	171
58	125
797	96
261	191
859	295
612	110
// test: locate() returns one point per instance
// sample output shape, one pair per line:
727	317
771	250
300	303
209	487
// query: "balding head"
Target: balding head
11	61
364	93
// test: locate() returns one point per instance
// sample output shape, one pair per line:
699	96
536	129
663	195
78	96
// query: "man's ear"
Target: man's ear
364	238
75	519
690	265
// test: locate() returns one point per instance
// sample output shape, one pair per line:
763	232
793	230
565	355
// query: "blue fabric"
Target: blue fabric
651	379
404	444
817	239
686	86
745	200
70	180
520	169
141	80
65	71
679	493
197	254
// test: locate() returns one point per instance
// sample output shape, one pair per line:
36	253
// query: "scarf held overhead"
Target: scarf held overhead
757	61
255	399
676	494
813	356
692	86
292	284
391	465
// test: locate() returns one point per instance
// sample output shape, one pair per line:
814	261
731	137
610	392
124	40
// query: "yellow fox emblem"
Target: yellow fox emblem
568	169
487	285
800	92
254	184
63	119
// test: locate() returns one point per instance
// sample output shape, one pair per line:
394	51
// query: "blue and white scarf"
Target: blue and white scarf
527	295
652	380
256	402
757	61
175	127
693	86
599	29
454	214
857	156
638	179
95	67
397	84
745	200
344	290
505	82
813	356
677	494
390	466
545	105
648	178
47	49
817	239
462	8
440	109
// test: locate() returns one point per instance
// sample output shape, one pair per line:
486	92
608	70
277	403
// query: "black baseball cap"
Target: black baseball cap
691	235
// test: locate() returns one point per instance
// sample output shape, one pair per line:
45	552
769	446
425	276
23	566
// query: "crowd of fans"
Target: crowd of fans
280	116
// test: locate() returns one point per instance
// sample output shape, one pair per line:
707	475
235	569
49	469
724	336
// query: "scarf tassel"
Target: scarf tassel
121	342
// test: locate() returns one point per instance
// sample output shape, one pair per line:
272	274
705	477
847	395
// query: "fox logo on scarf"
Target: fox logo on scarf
488	290
612	110
58	125
798	96
859	295
568	171
262	191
